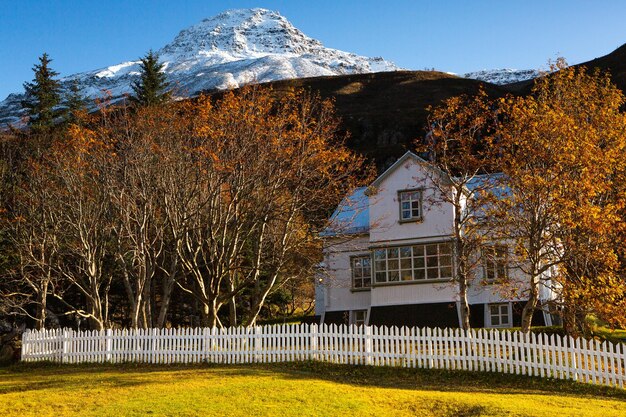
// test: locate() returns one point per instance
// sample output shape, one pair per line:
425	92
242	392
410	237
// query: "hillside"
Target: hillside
385	112
614	63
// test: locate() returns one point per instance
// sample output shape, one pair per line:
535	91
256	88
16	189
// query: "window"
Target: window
359	317
494	263
410	205
361	272
499	315
413	263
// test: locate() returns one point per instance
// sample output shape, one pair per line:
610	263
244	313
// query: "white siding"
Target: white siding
337	284
385	211
413	294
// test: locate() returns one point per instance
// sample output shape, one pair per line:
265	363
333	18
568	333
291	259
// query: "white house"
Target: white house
388	260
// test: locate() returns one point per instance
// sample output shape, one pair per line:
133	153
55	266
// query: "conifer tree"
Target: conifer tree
75	102
42	96
152	87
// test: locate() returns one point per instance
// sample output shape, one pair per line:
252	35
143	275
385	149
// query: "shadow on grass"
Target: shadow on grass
38	376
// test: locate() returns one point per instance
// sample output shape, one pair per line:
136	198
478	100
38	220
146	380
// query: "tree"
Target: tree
151	88
456	148
42	96
75	103
562	152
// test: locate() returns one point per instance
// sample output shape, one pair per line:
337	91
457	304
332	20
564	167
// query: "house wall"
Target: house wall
385	212
337	283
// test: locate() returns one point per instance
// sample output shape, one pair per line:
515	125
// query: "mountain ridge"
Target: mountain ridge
231	49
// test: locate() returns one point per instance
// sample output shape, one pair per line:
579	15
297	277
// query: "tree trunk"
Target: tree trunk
530	307
41	306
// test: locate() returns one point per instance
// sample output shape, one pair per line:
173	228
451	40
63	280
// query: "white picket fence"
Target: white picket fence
475	350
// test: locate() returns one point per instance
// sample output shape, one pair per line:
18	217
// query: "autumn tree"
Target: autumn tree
42	96
458	168
561	151
267	171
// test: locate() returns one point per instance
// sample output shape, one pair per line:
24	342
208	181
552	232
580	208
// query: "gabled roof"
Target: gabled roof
351	216
408	155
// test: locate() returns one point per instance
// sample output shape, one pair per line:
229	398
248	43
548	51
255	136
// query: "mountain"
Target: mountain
502	76
229	50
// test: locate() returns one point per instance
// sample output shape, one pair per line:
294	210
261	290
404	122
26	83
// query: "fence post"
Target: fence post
65	344
368	345
109	344
257	344
313	343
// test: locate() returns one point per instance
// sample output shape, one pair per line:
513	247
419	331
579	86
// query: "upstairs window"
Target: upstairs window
361	272
495	261
410	205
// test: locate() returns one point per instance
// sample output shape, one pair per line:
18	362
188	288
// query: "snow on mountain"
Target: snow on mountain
234	48
502	76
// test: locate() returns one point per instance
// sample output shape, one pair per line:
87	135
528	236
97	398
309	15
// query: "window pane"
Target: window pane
405	252
357	283
494	310
367	282
406	275
415	213
366	262
445	248
419	274
431	249
405	263
504	319
433	273
392	264
357	272
415	195
404	197
392	253
418	262
393	276
406	205
446	272
504	310
432	261
379	254
381	277
380	266
418	250
445	260
495	320
367	272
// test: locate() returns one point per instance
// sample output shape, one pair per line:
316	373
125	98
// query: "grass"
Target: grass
297	389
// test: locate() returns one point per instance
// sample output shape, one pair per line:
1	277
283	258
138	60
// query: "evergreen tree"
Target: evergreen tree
42	96
152	87
75	102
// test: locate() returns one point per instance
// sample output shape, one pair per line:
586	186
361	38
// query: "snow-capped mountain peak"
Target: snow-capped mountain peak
502	76
242	32
234	48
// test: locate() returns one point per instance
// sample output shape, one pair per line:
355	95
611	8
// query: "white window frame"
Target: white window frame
363	277
422	262
357	321
414	200
489	316
495	262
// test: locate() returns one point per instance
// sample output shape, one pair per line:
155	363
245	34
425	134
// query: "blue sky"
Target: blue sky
453	36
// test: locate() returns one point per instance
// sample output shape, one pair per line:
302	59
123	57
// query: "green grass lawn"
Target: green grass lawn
299	389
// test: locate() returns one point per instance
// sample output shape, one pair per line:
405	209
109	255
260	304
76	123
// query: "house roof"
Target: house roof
407	155
351	216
